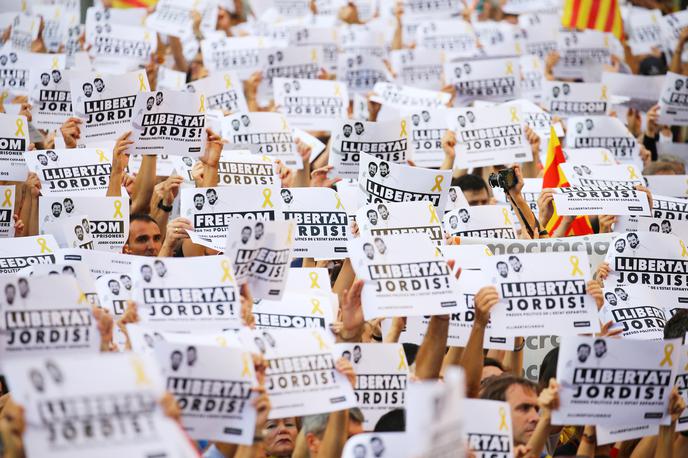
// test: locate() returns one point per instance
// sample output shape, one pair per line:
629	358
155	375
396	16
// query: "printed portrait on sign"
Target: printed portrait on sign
369	250
372	169
452	194
176	360
69	270
99	84
45	79
211	195
358	127
358	354
23	285
160	268
654	227
621	293
199	201
384	169
42	159
384	212
147	273
583	352
600	348
57	76
464	215
126	281
372	217
87	89
114	287
68	205
158	98
503	269
611	298
287	196
346	354
620	245
191	355
633	240
260	230
380	245
10	293
347	130
515	263
666	227
246	234
453	221
56	209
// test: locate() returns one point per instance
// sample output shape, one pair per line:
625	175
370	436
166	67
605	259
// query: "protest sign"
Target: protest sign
45	314
404	275
213	389
184	294
300	374
638	312
487	425
380	181
78	270
122	389
17	253
400	218
378	445
174	17
315	105
171	122
296	310
673	101
435	415
533	71
114	290
99	262
456	199
236	167
489	136
398	96
492	221
16	68
619	176
223	90
613	382
489	79
644	32
575	99
80	171
25	28
105	103
543	291
638	91
583	52
260	252
263	133
451	36
678	228
681	382
72	232
321	222
14	142
361	71
603	132
7	193
421	68
541	30
108	217
243	55
50	97
387	141
668	185
381	376
211	209
592	200
124	43
589	156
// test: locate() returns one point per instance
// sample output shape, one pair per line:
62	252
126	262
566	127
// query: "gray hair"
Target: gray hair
317	424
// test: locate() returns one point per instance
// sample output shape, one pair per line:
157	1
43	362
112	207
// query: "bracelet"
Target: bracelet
590	438
164	207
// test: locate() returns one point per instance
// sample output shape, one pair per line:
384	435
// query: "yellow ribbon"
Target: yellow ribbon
684	250
226	272
403	129
631	173
201	108
605	156
20	128
507	220
402	360
536	63
502	420
433	214
101	156
316	307
284	123
8	198
314	280
603	96
339	202
488	252
575	264
228	81
337	90
438	183
118	209
509	68
140	371
267	193
55	63
290	234
321	342
82	297
246	370
43	244
314	55
142	84
668	350
221	341
514	115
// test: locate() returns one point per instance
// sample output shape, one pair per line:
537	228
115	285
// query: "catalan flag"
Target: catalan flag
554	178
602	15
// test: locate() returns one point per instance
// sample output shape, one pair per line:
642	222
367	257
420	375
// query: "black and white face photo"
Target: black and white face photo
79	232
176	360
384	169
158	98
503	269
160	268
611	298
114	287
621	293
199	201
23	284
56	209
260	230
286	196
147	273
583	352
347	130
10	293
372	169
42	159
126	281
515	263
211	195
377	447
88	89
380	245
45	79
68	205
452	194
246	234
600	348
57	76
358	127
384	213
464	215
369	251
372	217
99	85
633	240
453	221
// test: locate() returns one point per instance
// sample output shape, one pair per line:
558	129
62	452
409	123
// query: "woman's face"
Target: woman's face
280	437
224	22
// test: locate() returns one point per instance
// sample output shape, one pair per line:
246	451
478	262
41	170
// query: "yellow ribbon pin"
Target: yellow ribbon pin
285	126
314	280
631	173
603	96
20	128
267	193
605	156
43	244
55	64
201	108
118	209
321	342
403	129
339	202
101	155
488	252
226	272
142	84
316	307
514	114
509	68
684	250
402	360
228	81
507	220
438	183
139	371
314	55
8	198
246	370
337	90
221	341
575	262
433	214
502	420
668	351
290	234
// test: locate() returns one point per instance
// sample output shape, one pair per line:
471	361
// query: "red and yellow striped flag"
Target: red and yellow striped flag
554	178
602	15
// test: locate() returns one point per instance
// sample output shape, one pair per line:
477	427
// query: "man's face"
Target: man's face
476	198
383	212
347	130
69	205
369	251
502	269
114	287
259	231
384	169
416	119
633	240
57	209
126	281
158	98
10	293
359	451
357	354
45	79
453	221
43	159
160	269
524	412
359	128
464	215
620	245
147	273
280	437
426	116
372	217
611	299
245	120
286	196
99	85
144	239
380	246
191	355
588	124
452	194
57	76
212	196
236	124
245	234
600	349
198	202
372	169
149	103
583	353
622	294
666	227
515	264
23	288
176	359
88	90
52	155
79	231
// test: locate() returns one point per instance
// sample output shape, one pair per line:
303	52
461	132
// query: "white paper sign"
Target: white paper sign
223	91
491	79
591	200
603	132
17	253
311	104
14	141
575	99
673	103
400	218
80	171
7	194
487	425
51	99
494	221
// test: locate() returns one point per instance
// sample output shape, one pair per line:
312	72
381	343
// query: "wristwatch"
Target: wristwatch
164	207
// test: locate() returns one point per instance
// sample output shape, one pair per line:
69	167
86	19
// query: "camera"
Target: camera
505	179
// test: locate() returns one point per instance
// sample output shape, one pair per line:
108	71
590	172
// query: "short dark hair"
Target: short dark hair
470	182
548	368
392	421
491	362
496	387
145	217
677	326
